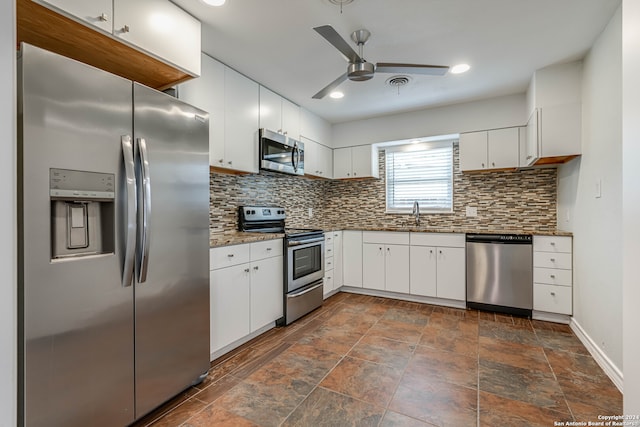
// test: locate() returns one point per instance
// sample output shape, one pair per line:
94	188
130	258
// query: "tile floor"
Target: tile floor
368	361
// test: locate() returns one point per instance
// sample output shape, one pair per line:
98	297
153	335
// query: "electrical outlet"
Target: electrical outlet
310	212
472	211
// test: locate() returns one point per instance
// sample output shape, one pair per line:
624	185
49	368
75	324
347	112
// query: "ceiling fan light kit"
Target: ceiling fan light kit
358	69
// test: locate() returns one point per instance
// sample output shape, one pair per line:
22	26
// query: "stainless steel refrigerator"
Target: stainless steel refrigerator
114	243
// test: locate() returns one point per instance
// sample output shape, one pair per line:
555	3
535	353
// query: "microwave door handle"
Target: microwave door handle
131	210
145	209
295	155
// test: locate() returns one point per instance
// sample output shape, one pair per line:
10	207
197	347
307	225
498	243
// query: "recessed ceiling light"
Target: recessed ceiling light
214	2
460	68
336	94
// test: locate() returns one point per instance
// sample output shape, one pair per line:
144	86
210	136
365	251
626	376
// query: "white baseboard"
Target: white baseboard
551	317
599	356
405	297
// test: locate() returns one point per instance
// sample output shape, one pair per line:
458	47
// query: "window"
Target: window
421	172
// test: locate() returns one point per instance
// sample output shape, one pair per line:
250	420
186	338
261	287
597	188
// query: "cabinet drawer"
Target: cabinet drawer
552	276
386	237
552	244
226	256
328	282
266	249
552	260
328	263
328	249
450	240
552	299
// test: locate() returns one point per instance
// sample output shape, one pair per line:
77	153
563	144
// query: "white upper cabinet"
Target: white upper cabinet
207	93
232	102
355	162
160	28
318	159
98	13
241	122
315	128
554	99
278	114
486	150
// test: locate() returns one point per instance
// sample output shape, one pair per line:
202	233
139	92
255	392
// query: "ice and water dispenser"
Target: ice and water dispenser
82	213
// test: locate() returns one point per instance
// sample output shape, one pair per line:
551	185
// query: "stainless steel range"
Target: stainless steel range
304	260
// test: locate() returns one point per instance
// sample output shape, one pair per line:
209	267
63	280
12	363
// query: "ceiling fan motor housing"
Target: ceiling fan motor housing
360	71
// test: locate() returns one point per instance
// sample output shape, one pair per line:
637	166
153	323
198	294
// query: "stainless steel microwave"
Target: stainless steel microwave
280	153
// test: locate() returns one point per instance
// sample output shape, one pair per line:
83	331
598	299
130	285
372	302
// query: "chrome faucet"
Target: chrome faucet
416	212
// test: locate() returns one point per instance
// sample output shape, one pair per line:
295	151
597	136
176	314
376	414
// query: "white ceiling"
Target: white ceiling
504	41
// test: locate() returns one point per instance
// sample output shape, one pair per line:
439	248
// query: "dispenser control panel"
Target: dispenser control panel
72	184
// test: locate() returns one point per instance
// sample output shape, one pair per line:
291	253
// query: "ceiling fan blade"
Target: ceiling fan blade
431	70
330	87
338	42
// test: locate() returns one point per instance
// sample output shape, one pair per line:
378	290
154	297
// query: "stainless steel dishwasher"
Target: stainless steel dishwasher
500	273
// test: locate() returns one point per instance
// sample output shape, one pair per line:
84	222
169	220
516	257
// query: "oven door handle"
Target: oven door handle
304	242
298	294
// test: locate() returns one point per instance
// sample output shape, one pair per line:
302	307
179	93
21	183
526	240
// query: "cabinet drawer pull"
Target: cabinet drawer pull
552	259
125	29
553	276
103	17
255	268
246	270
553	294
552	243
230	255
268	249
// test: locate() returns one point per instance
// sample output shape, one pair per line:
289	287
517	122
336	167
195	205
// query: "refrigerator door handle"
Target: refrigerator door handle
132	200
145	209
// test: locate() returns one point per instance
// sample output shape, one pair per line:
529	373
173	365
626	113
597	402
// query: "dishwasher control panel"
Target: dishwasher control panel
500	238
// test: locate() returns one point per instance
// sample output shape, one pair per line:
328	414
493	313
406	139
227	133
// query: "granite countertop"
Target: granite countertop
235	237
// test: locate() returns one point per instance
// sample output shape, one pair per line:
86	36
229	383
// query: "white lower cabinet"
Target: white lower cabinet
332	262
246	291
338	263
438	265
553	274
385	261
352	258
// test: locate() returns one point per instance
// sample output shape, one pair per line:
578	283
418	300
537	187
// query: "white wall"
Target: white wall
596	223
631	202
505	111
8	304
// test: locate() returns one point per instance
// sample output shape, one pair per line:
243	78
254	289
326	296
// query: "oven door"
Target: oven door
280	153
305	262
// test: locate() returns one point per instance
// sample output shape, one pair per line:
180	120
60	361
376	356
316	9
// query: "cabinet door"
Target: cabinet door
373	266
362	162
241	122
337	259
311	157
98	13
532	142
422	277
160	28
473	151
290	119
503	148
342	163
270	110
451	277
352	258
266	292
396	272
230	305
325	155
560	130
207	92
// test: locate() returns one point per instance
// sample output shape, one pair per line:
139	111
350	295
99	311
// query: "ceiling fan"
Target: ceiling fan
359	69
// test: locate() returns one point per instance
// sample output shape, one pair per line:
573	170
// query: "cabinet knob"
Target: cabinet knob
483	165
255	268
553	294
348	174
230	162
440	251
354	174
553	276
328	277
552	259
103	17
125	29
230	255
493	164
431	251
221	161
552	243
246	270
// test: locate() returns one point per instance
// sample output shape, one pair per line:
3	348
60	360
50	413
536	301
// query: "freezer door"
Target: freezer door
76	317
172	293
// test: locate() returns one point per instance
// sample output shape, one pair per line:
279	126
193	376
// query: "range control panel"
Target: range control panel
261	213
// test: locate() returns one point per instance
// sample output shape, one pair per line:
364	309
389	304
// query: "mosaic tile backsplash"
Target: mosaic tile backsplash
515	201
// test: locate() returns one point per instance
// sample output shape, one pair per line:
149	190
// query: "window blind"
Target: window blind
425	175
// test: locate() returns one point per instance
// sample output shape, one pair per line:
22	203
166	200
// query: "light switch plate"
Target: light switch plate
310	212
472	211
